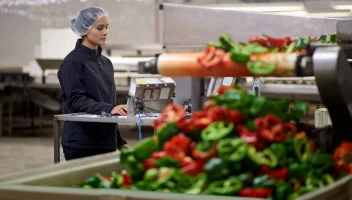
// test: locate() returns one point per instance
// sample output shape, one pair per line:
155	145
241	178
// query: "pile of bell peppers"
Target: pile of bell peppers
238	145
242	53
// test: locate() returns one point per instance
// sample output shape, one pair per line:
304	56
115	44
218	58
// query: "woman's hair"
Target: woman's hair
85	19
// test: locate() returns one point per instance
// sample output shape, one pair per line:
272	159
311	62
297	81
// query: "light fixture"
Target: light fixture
320	15
342	5
260	7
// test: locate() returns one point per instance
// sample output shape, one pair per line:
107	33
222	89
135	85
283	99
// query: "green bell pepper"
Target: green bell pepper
274	50
204	146
300	44
217	131
298	170
145	148
165	175
302	148
200	182
217	169
96	181
250	125
240	55
116	180
333	38
144	185
282	191
260	67
197	188
233	150
166	133
321	162
280	151
322	38
265	157
246	178
167	162
255	48
328	179
291	48
182	180
298	110
314	182
216	45
259	107
263	181
300	192
136	173
227	187
227	42
151	174
127	157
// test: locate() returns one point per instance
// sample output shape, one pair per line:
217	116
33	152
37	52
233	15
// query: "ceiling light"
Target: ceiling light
342	7
259	7
320	15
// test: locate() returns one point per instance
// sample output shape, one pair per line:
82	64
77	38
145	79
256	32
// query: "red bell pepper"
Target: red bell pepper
280	174
223	88
173	113
108	178
270	120
200	120
288	127
260	40
204	155
279	42
218	113
148	163
250	138
126	179
158	124
177	147
207	105
211	57
342	157
158	154
300	135
185	126
270	128
255	192
274	134
192	167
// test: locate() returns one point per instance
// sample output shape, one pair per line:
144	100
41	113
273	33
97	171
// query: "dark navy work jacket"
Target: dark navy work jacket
87	82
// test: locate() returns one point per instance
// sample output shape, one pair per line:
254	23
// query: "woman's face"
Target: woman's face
98	33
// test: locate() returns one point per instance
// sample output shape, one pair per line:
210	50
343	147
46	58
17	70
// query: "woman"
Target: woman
87	81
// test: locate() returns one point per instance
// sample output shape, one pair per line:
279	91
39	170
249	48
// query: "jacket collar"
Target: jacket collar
92	53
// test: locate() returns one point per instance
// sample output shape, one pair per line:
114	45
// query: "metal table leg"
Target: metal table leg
197	94
56	141
10	118
256	85
1	112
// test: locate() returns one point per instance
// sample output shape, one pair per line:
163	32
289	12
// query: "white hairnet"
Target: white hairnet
85	19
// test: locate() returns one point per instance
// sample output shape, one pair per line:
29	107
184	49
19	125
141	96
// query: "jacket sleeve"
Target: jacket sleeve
70	76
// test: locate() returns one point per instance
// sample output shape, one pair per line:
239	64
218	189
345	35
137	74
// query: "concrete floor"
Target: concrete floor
19	153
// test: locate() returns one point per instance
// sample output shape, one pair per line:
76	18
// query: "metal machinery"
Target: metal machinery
149	96
327	63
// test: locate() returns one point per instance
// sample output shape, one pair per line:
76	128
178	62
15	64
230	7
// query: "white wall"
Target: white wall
131	22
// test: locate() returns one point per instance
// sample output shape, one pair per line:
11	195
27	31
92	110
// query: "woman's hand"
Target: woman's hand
122	147
120	109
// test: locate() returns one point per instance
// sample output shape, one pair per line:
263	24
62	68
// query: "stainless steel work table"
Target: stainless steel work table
83	117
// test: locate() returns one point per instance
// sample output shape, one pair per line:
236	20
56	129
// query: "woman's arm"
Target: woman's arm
70	76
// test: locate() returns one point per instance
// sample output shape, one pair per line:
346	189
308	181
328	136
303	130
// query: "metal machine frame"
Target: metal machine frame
328	64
